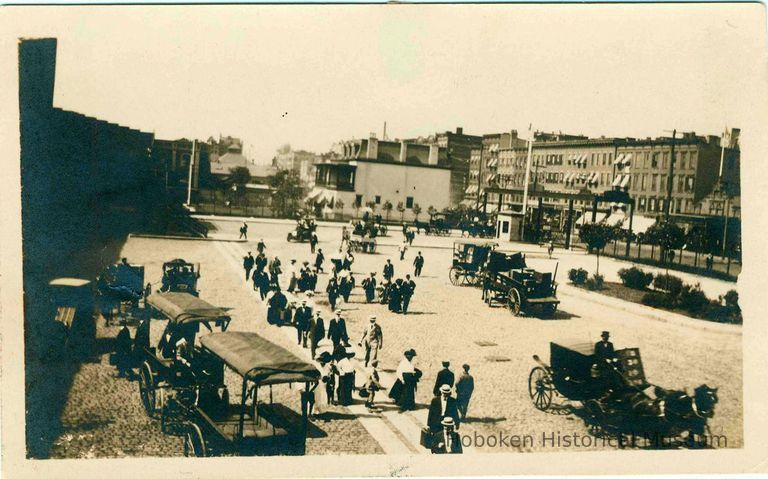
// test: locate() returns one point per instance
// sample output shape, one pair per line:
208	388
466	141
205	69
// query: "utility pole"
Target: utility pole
189	182
668	205
723	189
527	179
479	175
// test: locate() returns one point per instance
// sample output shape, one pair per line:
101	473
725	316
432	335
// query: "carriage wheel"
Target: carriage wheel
514	301
455	275
147	389
194	444
540	388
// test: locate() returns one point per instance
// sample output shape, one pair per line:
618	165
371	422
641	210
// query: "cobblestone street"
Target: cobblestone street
103	416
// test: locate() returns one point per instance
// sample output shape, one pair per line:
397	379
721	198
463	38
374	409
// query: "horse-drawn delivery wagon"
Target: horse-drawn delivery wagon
616	397
163	371
213	425
508	280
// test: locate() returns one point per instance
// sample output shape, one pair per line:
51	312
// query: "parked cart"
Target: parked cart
212	425
469	258
508	280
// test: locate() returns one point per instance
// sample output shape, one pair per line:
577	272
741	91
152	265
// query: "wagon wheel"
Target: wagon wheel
540	388
194	444
514	301
147	389
455	275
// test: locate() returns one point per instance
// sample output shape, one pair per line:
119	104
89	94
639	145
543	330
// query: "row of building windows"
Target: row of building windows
657	205
377	200
656	182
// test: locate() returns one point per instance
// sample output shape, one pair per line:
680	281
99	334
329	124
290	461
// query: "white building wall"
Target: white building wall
396	182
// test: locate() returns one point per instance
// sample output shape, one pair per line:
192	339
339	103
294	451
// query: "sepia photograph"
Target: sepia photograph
349	240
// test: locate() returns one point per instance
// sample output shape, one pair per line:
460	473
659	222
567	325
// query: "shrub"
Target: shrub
731	299
666	282
722	314
693	299
578	276
658	300
595	282
635	278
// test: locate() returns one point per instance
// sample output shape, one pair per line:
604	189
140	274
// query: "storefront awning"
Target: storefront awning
593	178
314	193
583	160
625	181
627	159
587	217
471	189
640	224
617	180
619	159
492	163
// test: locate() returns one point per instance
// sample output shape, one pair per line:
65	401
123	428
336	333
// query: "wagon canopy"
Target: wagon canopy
259	360
184	308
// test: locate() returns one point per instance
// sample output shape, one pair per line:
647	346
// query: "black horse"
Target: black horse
661	418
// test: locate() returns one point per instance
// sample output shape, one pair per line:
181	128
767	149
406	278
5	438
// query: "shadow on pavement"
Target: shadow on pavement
483	420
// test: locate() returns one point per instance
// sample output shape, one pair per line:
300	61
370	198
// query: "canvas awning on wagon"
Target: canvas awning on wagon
259	360
184	308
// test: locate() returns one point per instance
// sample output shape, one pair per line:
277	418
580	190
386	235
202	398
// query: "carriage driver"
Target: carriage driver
604	349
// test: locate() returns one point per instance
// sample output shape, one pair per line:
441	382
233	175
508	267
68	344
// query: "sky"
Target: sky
312	75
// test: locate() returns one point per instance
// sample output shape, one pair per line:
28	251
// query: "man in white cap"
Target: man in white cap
373	339
442	406
448	440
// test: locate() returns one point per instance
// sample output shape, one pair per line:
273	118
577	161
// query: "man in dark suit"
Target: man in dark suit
406	291
389	270
418	263
302	316
604	349
442	406
369	285
316	332
248	262
448	440
337	330
444	376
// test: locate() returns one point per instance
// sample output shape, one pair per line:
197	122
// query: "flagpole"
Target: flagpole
527	180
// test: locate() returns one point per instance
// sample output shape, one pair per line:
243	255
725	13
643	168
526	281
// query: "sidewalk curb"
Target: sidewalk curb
651	313
188	238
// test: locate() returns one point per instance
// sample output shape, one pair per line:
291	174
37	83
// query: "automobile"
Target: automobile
180	276
508	280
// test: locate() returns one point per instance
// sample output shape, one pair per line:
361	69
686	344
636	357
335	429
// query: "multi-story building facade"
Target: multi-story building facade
371	170
458	147
173	161
484	163
300	161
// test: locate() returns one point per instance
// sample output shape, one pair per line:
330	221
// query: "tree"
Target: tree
401	209
669	237
696	241
239	175
431	211
387	207
416	211
338	203
286	191
596	236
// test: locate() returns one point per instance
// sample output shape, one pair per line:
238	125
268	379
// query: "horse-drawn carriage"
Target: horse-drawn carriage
617	399
469	258
509	281
477	229
364	244
438	225
180	276
212	425
161	373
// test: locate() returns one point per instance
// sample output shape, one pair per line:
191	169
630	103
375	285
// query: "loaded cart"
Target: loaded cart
213	425
508	280
166	370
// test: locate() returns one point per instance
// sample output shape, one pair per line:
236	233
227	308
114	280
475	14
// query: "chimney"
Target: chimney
403	151
373	148
433	154
459	130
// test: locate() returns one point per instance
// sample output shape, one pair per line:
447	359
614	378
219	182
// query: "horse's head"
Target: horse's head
704	399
